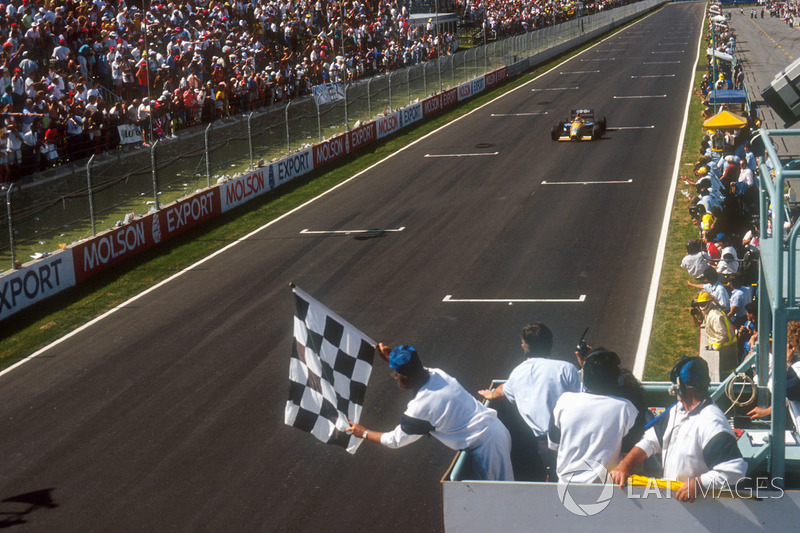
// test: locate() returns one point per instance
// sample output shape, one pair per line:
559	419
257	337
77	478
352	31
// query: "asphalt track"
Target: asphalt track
168	414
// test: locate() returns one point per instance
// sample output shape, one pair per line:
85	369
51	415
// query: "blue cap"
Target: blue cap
691	372
404	360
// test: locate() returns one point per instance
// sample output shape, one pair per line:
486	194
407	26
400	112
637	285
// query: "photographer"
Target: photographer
719	330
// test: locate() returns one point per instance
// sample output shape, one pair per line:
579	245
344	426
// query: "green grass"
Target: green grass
674	335
41	324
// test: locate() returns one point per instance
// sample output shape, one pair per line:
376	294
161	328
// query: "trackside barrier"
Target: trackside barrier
35	282
40	279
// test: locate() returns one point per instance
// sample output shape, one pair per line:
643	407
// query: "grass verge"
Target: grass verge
674	335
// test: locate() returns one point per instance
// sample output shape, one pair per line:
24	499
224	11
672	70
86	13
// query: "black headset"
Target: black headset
597	364
701	381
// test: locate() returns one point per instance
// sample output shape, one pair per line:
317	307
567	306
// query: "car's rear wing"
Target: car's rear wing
583	112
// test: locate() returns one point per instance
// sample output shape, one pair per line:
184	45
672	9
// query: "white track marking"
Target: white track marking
461	155
580	72
655	76
518	114
349	231
650	306
641	96
449	298
556	89
600	182
650	127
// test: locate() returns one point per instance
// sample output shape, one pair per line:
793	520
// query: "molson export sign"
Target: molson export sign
245	188
32	283
387	125
140	234
449	97
115	245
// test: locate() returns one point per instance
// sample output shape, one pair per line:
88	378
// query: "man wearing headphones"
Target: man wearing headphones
696	441
590	426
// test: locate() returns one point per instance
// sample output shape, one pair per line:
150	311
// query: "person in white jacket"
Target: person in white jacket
444	410
696	442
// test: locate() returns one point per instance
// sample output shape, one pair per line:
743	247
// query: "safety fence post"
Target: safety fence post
408	83
208	155
91	192
439	70
250	137
319	121
390	92
10	226
286	118
155	173
346	117
369	98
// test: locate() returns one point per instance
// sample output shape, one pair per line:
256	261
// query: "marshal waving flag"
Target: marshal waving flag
328	373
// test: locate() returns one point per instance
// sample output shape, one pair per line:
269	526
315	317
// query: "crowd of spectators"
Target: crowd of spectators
500	18
73	71
723	260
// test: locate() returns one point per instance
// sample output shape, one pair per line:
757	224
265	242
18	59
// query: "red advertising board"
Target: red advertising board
449	97
431	105
331	149
119	244
361	136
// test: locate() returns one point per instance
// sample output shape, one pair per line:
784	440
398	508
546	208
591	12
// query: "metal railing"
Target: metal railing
89	197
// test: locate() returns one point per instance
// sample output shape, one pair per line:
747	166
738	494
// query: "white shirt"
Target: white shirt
535	386
741	297
588	426
698	443
446	411
695	264
728	266
720	294
746	175
60	53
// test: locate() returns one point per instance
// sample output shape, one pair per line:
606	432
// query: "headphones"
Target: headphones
597	369
689	372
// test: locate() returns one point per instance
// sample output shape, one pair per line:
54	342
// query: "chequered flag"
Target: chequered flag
328	374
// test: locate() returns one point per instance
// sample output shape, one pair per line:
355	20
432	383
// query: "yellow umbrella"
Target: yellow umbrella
725	120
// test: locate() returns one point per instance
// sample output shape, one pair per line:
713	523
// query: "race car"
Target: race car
580	127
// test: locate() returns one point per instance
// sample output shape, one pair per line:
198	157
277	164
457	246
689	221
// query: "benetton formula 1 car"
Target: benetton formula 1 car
580	127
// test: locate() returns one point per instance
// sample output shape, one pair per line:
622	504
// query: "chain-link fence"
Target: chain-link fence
88	198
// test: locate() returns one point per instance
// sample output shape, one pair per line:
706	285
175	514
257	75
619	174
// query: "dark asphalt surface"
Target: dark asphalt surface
168	415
